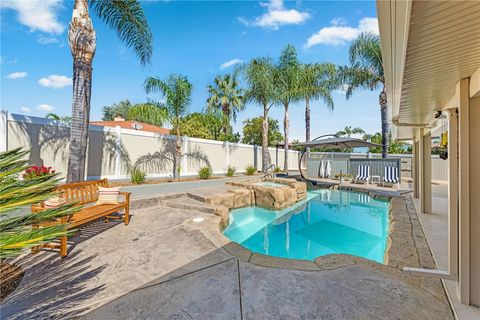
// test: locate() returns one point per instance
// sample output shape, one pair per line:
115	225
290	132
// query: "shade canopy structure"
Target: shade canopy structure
336	143
330	143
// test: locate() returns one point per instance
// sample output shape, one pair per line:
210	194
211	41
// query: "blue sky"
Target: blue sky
191	38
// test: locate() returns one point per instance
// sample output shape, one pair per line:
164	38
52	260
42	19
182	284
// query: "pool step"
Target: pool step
188	203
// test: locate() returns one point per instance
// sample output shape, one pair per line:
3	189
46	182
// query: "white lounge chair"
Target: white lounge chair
363	174
391	178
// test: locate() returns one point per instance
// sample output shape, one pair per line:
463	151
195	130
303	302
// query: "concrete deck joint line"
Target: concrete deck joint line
240	288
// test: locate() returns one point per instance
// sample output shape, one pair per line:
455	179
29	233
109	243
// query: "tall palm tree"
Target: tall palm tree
288	76
227	96
348	131
260	78
177	91
130	23
316	82
366	72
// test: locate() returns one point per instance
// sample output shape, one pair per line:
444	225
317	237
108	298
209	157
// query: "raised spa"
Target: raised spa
327	222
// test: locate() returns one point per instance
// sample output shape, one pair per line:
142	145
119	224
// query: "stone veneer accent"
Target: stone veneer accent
275	198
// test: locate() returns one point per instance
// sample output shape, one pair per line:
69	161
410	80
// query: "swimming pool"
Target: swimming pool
327	222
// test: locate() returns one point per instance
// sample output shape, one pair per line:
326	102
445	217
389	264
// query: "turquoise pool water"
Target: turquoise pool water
327	222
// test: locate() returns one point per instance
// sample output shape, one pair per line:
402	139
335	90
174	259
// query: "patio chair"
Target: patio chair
390	178
363	174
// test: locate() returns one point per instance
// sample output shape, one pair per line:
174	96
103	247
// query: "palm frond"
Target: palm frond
149	113
16	232
128	19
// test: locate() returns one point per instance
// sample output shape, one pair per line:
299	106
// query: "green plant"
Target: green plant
137	175
250	170
205	173
277	170
230	171
16	231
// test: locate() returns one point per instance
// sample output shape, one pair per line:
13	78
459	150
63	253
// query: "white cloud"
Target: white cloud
47	39
339	33
55	81
17	75
41	15
25	109
276	16
230	63
44	108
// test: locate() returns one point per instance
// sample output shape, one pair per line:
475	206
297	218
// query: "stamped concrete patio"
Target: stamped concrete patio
166	266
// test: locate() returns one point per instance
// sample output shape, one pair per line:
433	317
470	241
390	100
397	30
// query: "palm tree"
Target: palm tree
54	116
348	131
260	77
16	232
366	72
177	91
152	113
288	76
225	95
316	82
130	23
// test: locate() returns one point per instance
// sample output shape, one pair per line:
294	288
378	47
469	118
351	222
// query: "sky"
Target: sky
199	39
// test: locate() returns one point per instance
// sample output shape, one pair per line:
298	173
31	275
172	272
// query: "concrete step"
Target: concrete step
188	203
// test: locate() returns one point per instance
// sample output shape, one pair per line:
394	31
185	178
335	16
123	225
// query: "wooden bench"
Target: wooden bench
83	194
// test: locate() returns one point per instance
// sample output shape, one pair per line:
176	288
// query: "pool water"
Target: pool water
327	222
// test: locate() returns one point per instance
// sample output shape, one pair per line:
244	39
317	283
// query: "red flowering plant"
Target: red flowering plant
33	172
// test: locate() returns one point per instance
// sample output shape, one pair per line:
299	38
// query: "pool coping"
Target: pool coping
406	242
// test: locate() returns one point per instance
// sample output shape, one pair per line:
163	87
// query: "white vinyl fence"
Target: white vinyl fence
112	151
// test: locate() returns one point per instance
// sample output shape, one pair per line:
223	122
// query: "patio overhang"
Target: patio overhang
427	48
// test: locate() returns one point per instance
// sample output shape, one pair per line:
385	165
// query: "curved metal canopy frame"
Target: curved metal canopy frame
305	151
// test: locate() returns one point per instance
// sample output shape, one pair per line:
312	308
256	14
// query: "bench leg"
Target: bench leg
63	246
126	215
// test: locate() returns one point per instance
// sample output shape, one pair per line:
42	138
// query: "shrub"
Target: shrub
33	172
277	170
230	171
250	170
205	172
137	175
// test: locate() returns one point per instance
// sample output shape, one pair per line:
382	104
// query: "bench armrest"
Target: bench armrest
127	196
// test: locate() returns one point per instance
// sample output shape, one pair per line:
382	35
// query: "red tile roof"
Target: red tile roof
130	125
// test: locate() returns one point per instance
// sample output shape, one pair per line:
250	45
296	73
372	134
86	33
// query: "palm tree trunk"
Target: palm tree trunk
383	110
307	118
178	149
265	153
226	117
82	42
286	123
